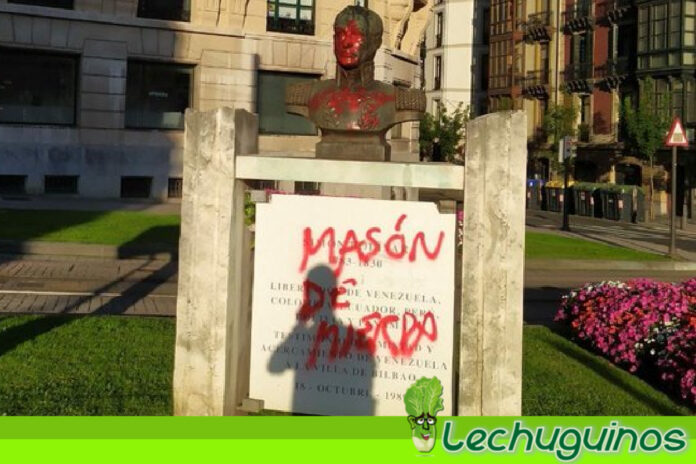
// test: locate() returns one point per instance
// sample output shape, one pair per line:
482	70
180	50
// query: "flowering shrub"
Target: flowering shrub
639	324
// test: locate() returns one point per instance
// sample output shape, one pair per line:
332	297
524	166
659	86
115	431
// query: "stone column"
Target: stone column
490	367
211	369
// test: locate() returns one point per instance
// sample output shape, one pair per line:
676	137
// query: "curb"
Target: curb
590	265
88	250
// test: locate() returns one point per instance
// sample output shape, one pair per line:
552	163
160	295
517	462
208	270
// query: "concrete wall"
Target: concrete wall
226	42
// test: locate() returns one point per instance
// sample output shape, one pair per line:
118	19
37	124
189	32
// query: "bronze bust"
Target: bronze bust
354	111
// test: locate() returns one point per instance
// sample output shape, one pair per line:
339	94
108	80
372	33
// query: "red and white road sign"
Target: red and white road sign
676	137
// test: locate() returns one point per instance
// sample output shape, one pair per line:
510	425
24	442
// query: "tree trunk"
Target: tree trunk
652	192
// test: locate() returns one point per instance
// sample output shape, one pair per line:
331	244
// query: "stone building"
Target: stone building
525	62
456	55
93	92
613	47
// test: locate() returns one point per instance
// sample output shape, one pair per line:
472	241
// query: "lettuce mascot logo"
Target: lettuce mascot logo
423	401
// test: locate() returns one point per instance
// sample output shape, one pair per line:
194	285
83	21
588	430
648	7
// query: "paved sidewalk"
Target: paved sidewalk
87	286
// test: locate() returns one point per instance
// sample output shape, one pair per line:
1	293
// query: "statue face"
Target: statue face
348	42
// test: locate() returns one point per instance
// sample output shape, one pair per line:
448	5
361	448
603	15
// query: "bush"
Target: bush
444	130
641	325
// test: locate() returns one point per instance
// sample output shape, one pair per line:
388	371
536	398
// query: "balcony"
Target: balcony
578	78
538	27
611	11
613	72
578	18
535	84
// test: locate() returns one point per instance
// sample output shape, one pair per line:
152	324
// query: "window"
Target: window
175	187
65	185
170	10
661	95
676	99
37	88
689	24
643	26
261	184
13	185
136	187
273	119
690	102
67	4
438	30
660	28
292	16
307	188
437	81
486	26
483	72
157	94
501	17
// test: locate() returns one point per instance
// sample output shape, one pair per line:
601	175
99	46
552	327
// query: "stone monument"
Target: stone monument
354	111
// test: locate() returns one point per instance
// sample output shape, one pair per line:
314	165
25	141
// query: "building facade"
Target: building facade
456	55
612	48
524	71
93	92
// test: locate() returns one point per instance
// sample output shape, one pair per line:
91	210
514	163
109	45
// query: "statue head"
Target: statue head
357	36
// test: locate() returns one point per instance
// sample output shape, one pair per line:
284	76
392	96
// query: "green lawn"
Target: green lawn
113	365
136	228
68	365
539	245
560	378
102	227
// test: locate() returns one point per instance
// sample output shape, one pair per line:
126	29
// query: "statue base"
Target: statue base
356	147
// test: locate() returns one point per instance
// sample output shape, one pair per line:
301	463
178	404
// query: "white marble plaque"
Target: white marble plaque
353	301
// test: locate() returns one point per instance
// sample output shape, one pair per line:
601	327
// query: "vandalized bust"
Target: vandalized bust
354	111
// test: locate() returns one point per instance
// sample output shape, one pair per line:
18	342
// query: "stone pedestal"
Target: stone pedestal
211	365
353	146
490	368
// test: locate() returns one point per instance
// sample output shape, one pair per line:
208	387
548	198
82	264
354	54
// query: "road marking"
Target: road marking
27	292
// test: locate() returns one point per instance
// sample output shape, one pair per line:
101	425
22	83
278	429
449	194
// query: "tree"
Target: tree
559	121
443	132
646	124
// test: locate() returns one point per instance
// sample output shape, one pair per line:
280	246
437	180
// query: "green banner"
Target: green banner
346	439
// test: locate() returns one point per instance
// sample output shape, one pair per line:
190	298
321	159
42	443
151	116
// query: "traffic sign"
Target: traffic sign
676	137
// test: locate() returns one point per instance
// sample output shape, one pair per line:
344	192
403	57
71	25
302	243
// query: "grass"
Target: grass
539	245
560	378
115	365
86	365
135	228
99	227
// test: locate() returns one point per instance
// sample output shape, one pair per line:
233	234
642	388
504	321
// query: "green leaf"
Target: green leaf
424	396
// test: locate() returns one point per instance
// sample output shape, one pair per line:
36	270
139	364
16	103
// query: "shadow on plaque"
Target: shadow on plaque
338	384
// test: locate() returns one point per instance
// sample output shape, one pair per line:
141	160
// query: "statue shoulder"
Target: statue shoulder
410	100
299	93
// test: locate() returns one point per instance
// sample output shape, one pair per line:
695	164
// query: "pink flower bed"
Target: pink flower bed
639	324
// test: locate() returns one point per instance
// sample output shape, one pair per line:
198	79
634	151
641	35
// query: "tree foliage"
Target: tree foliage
559	121
645	123
445	130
